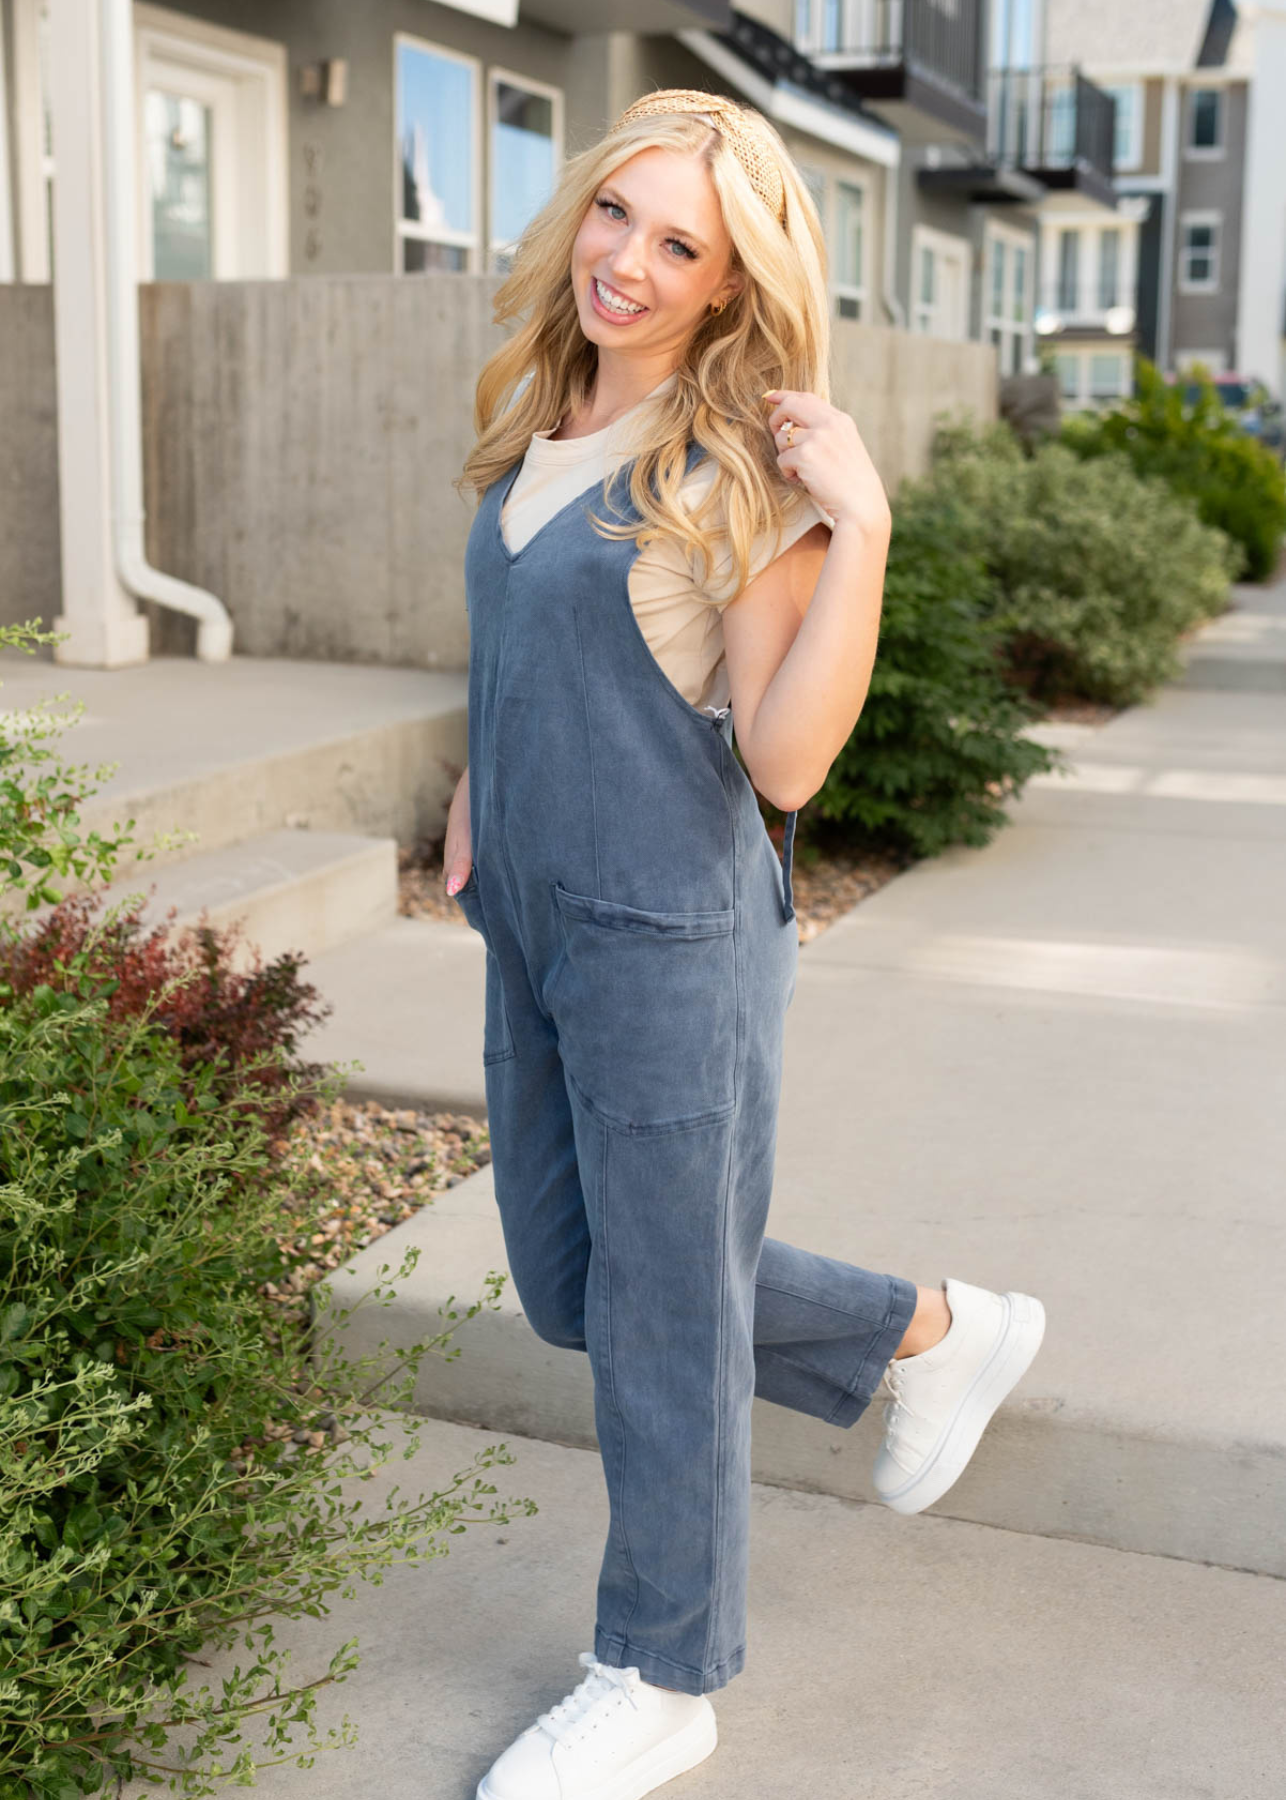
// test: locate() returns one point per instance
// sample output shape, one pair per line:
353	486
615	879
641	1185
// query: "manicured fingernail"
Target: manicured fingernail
772	394
453	882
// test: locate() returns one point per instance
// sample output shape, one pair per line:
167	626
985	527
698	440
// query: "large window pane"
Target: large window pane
522	160
1205	119
177	132
1069	253
435	139
1109	262
848	248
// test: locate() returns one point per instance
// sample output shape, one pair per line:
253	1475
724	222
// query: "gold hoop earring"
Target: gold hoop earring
718	306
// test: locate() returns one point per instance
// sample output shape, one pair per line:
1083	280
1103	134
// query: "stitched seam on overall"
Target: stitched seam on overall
611	1374
811	1300
717	1559
589	742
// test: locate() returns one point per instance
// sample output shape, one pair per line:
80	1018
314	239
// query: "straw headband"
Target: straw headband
753	149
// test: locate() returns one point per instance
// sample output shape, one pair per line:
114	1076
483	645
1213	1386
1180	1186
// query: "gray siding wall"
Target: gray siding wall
1209	321
301	438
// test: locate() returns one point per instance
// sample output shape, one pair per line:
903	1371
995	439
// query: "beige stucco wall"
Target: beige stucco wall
301	438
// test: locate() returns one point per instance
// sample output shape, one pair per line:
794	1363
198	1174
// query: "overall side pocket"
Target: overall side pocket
646	1008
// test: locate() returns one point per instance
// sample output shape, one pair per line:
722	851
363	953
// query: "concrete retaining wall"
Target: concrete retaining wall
301	438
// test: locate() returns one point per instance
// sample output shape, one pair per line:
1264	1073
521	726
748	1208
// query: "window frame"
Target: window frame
1205	152
496	74
846	290
470	242
1128	165
1200	216
1015	351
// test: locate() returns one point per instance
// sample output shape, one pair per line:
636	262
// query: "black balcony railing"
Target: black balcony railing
941	38
1044	120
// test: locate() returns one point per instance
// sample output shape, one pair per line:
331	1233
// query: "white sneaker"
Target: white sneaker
943	1398
614	1737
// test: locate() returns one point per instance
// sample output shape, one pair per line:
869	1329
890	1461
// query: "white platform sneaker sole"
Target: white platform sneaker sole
674	1756
1009	1361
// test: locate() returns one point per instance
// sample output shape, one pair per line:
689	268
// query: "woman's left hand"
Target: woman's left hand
828	458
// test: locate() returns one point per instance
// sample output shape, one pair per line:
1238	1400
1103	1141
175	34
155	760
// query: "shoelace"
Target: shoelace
565	1721
892	1381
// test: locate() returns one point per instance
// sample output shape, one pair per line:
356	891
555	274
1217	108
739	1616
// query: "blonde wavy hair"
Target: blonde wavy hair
773	333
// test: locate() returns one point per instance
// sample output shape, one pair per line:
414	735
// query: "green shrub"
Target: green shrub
939	744
1236	483
1096	572
155	1499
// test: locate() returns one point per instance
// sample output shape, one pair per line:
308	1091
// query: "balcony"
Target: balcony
1055	125
916	64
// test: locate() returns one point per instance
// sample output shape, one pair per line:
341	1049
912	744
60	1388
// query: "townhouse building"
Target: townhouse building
1201	158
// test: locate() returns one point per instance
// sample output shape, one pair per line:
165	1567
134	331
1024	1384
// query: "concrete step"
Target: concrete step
887	1658
291	890
1058	1460
408	1005
257	744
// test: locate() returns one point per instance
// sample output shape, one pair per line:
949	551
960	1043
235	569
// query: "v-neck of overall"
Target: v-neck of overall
514	556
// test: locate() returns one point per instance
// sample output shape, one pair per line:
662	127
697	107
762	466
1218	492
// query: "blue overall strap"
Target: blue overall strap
787	857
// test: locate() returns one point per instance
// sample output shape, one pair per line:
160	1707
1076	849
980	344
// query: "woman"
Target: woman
640	932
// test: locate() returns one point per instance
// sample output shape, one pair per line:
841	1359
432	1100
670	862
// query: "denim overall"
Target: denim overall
641	953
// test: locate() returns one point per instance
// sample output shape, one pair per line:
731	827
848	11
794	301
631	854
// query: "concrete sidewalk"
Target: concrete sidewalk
1055	1063
887	1658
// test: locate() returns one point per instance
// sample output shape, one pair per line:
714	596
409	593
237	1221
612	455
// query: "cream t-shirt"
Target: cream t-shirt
679	616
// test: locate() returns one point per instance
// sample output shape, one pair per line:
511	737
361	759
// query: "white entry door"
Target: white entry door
212	161
939	283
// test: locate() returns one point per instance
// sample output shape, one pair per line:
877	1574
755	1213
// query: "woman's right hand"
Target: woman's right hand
457	852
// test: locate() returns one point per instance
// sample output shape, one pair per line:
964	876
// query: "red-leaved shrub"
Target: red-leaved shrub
226	1017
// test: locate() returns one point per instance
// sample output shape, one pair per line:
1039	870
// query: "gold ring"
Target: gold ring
790	434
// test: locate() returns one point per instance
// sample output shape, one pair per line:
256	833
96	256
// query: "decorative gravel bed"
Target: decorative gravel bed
364	1168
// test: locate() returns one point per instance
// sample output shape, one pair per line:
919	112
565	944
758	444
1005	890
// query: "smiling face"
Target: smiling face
654	235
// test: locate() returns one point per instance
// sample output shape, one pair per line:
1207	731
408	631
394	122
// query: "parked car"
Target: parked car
1250	403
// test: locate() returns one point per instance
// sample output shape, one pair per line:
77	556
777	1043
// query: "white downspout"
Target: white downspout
214	631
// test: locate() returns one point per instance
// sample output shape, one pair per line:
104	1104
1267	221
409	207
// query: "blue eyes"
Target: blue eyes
687	249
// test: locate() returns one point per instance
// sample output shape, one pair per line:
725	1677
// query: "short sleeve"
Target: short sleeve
717	586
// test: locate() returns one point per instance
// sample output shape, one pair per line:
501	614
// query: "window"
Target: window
1069	260
1205	122
436	127
1007	324
1107	375
850	249
1109	266
526	151
1127	148
1199	253
832	17
1093	378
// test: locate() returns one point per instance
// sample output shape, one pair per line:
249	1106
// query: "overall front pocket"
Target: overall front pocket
645	1004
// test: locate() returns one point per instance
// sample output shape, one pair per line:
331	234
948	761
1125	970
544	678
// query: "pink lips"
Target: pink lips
604	312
